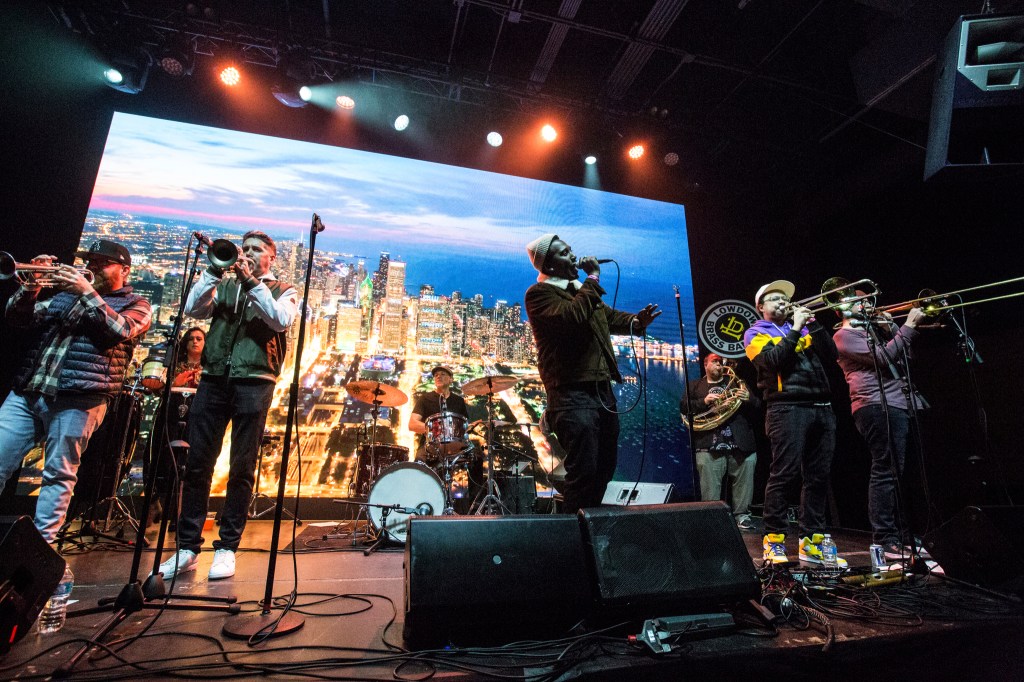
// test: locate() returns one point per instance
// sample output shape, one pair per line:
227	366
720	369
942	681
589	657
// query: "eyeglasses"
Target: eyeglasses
775	299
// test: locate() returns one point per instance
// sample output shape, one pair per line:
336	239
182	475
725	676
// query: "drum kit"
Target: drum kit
390	489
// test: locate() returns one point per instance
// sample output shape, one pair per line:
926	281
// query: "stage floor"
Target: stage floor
352	611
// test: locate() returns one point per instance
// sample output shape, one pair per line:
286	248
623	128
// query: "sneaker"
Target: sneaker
895	552
744	522
775	548
810	551
182	562
223	564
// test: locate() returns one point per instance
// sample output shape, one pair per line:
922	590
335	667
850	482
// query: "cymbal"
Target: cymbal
495	383
374	392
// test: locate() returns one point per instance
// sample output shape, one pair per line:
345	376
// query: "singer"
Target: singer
572	327
242	359
884	430
789	357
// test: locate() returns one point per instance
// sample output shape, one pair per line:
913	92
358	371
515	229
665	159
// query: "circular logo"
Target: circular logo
723	324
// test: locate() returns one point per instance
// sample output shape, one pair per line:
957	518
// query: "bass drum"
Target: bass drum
414	487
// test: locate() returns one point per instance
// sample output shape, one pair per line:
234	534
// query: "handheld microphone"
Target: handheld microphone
317	225
602	261
203	238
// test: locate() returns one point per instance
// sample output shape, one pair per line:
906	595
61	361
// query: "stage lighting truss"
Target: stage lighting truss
296	72
127	68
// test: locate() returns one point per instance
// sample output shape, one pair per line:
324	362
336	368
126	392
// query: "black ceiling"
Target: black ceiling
749	93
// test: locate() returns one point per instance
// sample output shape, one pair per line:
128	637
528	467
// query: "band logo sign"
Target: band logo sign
723	324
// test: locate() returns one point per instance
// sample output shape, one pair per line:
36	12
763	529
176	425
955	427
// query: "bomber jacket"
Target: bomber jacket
572	332
789	361
248	334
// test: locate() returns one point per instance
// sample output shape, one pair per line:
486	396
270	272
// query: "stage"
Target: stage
352	606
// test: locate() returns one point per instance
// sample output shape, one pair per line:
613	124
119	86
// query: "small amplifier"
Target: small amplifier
623	493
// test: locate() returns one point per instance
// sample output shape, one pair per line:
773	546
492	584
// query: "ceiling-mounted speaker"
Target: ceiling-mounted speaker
978	99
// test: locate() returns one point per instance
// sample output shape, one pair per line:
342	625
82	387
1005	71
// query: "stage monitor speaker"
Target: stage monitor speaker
635	493
29	573
978	98
473	581
659	560
981	546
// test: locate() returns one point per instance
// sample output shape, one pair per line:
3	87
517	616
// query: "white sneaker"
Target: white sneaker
184	561
223	564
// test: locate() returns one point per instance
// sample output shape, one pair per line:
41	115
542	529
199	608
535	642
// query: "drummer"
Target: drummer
441	399
190	354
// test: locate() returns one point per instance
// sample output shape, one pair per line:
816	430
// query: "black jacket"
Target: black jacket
740	422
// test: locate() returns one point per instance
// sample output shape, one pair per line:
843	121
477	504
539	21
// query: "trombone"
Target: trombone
11	269
838	293
934	304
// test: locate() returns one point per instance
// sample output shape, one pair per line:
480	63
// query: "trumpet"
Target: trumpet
21	272
223	253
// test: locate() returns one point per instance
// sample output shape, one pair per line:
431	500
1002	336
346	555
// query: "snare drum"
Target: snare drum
446	436
373	459
411	486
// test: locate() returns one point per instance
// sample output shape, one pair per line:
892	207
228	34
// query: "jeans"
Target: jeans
712	468
218	401
885	471
803	439
66	421
590	437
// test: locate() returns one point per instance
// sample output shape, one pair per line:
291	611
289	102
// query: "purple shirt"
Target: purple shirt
857	362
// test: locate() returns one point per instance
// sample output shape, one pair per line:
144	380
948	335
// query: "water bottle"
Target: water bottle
52	617
829	554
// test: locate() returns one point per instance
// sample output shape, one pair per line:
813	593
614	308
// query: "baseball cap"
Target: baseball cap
782	285
441	368
107	250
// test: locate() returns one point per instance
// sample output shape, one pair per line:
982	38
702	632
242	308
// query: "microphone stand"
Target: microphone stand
686	388
133	597
266	623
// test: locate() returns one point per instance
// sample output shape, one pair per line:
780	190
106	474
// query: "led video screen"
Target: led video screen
420	263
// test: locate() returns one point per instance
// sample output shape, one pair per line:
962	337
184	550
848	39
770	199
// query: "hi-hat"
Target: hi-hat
490	384
376	393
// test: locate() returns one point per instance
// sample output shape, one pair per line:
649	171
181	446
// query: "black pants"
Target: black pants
589	434
886	471
803	441
245	405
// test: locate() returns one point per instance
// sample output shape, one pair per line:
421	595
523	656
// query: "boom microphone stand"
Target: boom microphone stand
131	599
265	622
686	387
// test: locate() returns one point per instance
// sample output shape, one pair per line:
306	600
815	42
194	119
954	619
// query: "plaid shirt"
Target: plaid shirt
133	321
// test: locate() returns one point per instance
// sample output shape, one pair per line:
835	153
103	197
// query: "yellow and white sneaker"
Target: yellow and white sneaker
775	548
810	551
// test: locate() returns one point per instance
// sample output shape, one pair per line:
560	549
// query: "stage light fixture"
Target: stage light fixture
230	76
177	56
636	151
494	139
402	122
548	133
590	160
295	71
671	159
127	69
345	102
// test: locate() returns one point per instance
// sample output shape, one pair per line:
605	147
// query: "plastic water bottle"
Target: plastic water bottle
829	554
51	618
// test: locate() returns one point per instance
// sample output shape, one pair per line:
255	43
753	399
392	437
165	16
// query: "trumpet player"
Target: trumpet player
727	447
86	334
242	358
881	411
788	349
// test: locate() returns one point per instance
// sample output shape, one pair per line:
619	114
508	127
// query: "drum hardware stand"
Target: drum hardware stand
131	598
491	502
257	495
363	506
